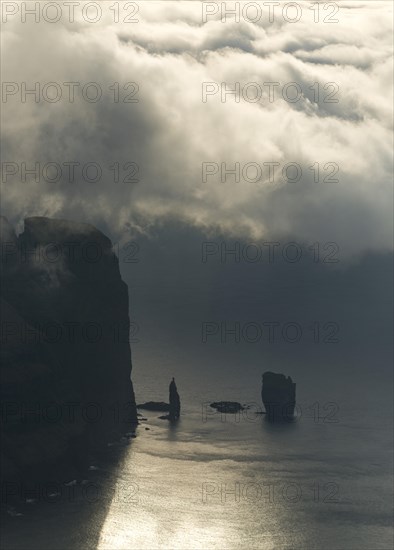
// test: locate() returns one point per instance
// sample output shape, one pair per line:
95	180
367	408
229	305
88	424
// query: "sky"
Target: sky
185	134
172	144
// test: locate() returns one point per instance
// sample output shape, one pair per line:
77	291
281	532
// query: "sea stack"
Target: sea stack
278	395
175	402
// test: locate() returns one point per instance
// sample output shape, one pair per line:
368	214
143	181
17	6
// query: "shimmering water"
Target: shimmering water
255	486
215	481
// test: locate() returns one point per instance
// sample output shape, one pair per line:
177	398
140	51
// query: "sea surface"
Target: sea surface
216	481
238	482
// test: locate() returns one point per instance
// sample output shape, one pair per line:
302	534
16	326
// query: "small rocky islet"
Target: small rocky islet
277	393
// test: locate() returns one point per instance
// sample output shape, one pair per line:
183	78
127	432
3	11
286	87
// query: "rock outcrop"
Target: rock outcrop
227	407
175	402
66	362
154	406
278	395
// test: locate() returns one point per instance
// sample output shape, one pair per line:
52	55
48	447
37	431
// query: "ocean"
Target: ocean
225	481
215	481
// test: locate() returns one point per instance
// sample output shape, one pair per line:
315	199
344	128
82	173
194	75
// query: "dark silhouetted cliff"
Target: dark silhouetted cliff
66	362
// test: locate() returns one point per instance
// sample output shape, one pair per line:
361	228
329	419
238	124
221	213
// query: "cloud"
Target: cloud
170	132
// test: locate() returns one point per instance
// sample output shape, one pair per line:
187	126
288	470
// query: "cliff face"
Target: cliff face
66	362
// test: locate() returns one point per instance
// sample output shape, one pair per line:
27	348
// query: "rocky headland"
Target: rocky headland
65	356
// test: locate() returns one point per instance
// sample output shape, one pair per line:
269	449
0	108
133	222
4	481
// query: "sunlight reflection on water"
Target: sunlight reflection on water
247	485
181	500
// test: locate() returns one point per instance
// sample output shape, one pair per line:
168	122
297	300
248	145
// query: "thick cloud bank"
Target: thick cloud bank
171	131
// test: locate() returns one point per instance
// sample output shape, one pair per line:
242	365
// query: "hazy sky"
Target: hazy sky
169	52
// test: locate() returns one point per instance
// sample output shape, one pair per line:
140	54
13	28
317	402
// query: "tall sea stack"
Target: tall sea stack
175	402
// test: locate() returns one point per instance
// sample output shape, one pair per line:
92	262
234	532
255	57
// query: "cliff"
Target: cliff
65	356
